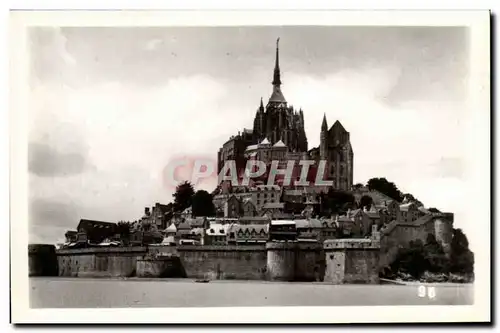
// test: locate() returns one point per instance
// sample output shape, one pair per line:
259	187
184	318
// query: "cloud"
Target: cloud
45	212
112	141
45	161
49	219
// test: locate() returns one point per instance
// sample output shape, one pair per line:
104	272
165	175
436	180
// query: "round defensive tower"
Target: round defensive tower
42	260
443	229
281	260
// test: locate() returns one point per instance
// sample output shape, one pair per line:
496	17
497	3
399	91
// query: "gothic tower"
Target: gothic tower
323	139
335	147
279	121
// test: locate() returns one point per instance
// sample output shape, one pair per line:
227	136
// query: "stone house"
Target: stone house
362	219
71	236
249	208
356	223
95	231
198	222
390	209
265	194
232	207
274	210
409	212
308	229
160	214
282	230
250	234
329	229
193	237
183	231
215	234
374	215
230	233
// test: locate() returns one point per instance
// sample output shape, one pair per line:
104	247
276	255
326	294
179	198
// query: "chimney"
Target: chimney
146	211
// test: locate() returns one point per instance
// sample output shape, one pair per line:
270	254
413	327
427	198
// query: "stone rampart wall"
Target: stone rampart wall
99	262
224	262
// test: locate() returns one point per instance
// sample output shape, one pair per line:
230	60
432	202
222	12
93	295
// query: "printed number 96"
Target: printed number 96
426	291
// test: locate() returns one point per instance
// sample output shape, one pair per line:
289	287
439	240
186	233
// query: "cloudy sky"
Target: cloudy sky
111	107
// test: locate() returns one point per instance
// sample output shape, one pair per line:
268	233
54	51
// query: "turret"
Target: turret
323	139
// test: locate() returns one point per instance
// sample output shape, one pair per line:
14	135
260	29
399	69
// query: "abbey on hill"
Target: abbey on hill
278	135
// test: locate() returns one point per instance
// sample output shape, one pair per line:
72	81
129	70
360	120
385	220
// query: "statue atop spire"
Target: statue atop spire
277	79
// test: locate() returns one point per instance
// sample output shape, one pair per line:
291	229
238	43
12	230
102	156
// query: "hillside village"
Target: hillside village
237	220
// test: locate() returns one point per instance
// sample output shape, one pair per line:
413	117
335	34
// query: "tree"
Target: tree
358	186
411	260
435	256
461	258
123	229
411	198
202	204
336	202
366	201
384	186
183	195
419	258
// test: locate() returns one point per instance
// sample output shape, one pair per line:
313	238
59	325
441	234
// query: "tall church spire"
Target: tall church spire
324	126
276	78
277	95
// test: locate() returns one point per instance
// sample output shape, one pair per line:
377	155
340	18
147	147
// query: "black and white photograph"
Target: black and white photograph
334	161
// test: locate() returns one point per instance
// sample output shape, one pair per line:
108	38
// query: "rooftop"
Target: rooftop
280	144
283	222
265	142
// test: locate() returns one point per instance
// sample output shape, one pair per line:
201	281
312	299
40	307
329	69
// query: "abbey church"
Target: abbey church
279	134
